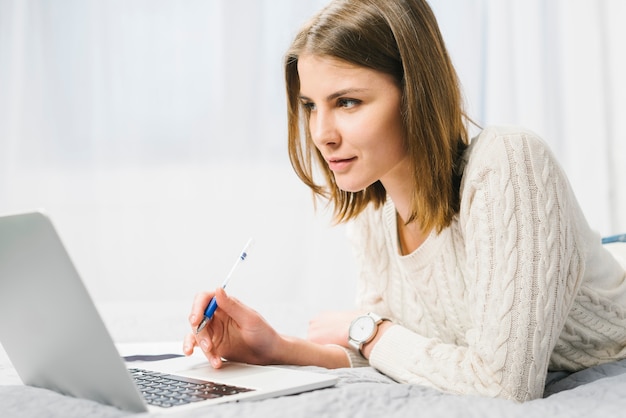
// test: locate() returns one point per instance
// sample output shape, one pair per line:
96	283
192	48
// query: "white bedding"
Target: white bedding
596	392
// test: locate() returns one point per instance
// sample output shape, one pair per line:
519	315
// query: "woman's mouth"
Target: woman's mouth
340	164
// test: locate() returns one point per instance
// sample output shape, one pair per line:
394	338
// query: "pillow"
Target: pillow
618	249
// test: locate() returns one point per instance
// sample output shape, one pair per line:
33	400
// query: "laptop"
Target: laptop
56	339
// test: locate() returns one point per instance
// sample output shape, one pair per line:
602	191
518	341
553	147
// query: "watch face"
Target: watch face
362	328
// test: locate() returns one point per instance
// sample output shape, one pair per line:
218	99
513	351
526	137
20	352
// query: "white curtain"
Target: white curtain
153	132
557	67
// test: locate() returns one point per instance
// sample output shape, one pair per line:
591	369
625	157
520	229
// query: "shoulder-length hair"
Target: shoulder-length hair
400	38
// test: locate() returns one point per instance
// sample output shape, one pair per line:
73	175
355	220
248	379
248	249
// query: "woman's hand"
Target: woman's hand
332	327
235	332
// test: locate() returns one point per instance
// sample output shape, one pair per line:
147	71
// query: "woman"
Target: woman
478	271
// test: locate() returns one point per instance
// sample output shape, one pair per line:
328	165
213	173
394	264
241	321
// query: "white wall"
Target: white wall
159	235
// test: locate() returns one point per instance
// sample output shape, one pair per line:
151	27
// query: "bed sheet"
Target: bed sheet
596	392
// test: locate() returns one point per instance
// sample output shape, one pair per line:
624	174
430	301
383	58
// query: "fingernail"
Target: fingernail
214	362
193	318
205	345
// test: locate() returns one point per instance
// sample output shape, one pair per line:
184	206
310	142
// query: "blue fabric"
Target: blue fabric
614	238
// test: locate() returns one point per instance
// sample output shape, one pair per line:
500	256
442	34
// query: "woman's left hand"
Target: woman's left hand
331	327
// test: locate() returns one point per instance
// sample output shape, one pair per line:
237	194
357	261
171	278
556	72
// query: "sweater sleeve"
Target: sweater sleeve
525	262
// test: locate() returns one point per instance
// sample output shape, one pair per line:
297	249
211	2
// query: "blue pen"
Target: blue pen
210	309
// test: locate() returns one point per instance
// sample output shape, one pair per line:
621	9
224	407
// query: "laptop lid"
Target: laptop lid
49	326
56	339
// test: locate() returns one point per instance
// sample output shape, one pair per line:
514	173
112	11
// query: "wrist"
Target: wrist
300	352
366	349
363	330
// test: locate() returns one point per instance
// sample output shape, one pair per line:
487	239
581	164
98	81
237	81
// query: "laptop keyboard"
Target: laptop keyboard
166	390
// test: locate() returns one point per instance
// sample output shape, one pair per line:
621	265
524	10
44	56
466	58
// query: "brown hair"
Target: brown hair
400	38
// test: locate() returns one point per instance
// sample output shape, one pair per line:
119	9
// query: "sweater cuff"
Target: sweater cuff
397	346
354	358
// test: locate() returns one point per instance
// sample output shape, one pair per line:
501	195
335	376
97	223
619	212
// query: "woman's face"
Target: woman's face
355	121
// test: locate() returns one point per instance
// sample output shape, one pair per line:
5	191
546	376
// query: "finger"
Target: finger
204	342
200	302
216	361
189	344
206	345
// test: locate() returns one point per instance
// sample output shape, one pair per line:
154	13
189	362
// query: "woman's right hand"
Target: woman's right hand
235	332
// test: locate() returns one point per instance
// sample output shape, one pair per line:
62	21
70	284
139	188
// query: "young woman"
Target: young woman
478	271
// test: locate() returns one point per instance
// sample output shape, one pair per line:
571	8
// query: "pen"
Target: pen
212	306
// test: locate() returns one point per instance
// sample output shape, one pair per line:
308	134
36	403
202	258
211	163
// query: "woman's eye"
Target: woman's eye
348	103
308	106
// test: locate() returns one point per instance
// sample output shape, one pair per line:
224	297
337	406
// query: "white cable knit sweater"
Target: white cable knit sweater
516	285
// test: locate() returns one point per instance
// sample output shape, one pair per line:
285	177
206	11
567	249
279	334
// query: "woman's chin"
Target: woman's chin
351	188
351	184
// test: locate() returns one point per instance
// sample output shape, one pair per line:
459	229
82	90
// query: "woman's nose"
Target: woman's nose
323	129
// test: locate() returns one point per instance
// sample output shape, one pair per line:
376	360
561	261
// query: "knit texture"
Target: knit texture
517	284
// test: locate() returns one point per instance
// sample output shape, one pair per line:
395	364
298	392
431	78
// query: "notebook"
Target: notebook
56	339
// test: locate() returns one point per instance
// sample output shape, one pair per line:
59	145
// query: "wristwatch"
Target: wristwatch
363	330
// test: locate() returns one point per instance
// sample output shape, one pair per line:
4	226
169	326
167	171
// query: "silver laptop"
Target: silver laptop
56	339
